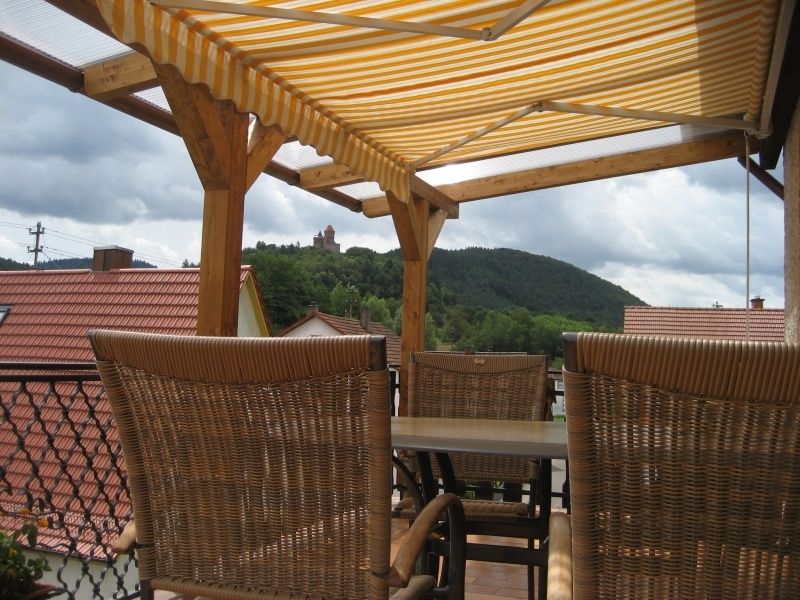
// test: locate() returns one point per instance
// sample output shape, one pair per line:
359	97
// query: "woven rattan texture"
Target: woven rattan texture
273	480
688	487
484	386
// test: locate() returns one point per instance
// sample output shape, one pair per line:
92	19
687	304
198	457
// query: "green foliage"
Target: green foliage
519	330
431	333
18	573
8	264
381	310
502	300
503	278
84	263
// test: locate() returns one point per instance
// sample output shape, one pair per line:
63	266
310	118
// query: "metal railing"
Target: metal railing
60	460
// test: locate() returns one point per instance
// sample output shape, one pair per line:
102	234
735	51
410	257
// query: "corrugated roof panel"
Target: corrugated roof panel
563	154
41	25
155	96
296	156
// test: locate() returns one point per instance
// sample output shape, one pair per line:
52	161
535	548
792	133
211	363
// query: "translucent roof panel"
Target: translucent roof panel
53	32
155	96
559	155
296	156
361	191
620	144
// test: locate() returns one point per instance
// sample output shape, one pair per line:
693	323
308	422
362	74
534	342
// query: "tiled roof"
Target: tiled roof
346	326
712	323
51	311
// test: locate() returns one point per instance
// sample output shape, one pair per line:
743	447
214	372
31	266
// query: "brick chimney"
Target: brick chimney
757	303
112	257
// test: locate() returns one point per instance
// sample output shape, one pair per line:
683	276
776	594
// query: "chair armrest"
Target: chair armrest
126	539
414	542
559	558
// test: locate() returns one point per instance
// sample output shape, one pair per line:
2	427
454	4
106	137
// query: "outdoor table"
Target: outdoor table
544	440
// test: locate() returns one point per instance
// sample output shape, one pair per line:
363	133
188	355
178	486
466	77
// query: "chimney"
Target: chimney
366	317
757	303
112	257
312	309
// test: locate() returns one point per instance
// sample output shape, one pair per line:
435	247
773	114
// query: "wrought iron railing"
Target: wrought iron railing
60	459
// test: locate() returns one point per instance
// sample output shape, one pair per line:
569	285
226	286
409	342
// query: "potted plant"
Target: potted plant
20	574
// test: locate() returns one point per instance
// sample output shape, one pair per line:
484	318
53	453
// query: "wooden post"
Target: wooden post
411	225
227	164
418	225
791	183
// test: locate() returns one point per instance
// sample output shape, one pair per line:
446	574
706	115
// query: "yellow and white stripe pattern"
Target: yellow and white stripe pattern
382	101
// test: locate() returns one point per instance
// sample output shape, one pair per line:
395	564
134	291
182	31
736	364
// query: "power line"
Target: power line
56	233
87	241
17	225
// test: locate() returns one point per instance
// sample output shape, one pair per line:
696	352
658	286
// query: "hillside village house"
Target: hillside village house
46	315
403	112
315	323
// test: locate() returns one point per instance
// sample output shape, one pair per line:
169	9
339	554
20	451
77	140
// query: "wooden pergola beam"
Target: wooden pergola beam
326	177
757	171
119	76
215	134
434	196
708	149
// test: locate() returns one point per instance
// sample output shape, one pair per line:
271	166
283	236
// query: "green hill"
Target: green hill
7	264
292	277
504	278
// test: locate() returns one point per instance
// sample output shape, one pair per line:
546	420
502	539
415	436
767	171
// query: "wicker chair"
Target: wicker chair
489	386
261	468
684	470
482	386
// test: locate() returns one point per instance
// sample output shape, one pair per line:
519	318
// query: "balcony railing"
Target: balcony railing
60	458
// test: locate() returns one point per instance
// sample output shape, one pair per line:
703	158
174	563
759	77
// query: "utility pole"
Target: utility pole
39	231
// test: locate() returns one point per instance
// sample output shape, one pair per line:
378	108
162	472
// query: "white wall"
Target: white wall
248	321
312	327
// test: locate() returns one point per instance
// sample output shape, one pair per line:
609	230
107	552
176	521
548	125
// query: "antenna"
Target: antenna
37	248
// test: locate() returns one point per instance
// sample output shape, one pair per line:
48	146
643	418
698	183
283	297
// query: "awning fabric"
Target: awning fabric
385	102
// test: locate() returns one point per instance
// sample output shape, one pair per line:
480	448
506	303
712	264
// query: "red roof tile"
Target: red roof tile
712	323
52	310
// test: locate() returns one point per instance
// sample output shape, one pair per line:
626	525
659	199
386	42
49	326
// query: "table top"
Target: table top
534	439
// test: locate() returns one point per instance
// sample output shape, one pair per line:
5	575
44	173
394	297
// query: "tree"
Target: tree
379	310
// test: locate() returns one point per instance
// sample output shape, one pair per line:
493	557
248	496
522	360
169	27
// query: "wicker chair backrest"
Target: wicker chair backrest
485	386
684	467
257	466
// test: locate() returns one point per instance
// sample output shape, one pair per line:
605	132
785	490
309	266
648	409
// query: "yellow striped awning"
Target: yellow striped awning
387	86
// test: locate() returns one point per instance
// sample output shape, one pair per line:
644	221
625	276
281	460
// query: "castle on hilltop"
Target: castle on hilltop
325	241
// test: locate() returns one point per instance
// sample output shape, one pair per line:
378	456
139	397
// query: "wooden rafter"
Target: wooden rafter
434	196
708	149
119	76
757	171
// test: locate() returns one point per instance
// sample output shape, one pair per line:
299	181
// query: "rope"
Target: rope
747	260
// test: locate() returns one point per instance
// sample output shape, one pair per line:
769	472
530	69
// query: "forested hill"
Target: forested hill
8	264
504	278
475	279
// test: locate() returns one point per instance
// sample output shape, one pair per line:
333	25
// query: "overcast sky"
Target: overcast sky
93	175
